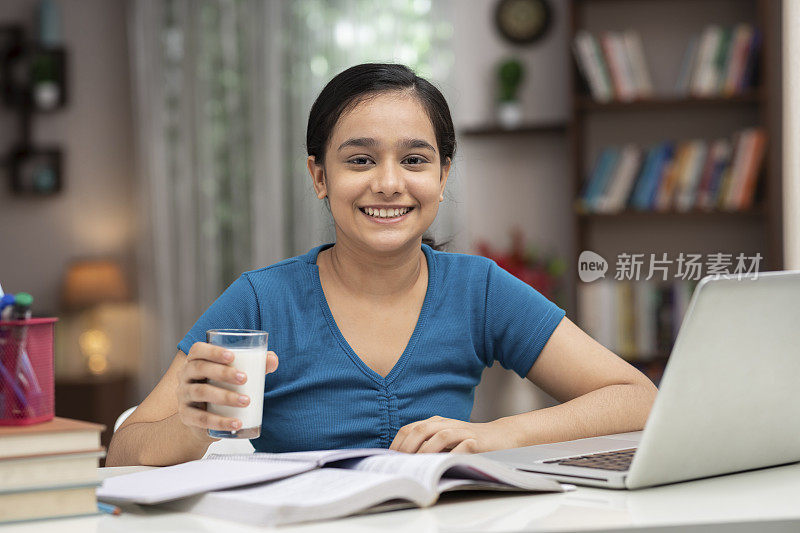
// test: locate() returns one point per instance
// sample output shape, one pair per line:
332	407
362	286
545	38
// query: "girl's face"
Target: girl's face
381	157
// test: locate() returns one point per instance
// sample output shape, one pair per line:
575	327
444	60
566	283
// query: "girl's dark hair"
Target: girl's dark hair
360	82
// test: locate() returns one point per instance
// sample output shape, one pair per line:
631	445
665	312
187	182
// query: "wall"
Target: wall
508	180
791	134
95	214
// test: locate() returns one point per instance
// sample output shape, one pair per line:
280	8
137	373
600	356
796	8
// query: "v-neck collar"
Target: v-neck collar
311	259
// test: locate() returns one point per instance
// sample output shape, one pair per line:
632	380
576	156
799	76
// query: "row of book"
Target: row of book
721	61
49	470
637	320
613	65
683	176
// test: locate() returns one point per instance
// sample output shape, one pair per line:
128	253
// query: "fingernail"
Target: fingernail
236	424
243	400
240	376
228	356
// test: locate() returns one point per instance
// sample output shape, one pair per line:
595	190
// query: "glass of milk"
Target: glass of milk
249	349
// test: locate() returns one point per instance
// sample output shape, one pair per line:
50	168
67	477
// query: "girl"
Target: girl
382	337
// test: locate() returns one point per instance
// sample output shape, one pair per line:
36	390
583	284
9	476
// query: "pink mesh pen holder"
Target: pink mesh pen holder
26	371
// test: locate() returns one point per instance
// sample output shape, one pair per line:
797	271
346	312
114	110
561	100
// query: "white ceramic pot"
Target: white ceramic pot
509	114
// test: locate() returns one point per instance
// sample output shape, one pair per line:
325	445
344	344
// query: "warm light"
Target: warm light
97	364
95	346
92	282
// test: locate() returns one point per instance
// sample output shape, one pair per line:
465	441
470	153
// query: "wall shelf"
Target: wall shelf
670	103
524	129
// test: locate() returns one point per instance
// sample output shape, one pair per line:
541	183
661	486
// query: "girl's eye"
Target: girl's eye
415	160
359	160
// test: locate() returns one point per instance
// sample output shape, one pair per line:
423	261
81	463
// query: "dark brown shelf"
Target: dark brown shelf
524	129
699	213
585	103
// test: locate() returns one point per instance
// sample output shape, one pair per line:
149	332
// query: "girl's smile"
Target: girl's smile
386	215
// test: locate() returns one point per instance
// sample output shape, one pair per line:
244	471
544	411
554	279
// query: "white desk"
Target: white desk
768	495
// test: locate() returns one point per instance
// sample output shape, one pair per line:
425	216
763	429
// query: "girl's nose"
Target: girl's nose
388	180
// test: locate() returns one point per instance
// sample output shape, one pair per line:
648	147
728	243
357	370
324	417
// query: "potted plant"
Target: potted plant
510	74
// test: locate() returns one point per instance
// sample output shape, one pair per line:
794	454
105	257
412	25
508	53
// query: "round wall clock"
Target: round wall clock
522	21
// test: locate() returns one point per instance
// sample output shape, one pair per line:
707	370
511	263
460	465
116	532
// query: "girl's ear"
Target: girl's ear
445	171
317	176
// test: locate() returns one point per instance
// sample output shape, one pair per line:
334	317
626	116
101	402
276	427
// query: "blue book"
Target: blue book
715	183
637	197
750	75
605	177
659	171
593	186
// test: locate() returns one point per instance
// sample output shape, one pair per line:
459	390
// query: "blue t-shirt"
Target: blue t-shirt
323	396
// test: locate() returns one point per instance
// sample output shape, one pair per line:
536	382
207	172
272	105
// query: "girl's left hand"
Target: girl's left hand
438	434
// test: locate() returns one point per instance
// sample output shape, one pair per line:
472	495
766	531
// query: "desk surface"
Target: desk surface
769	494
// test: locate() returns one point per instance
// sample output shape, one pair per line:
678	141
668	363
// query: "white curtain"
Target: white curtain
222	91
208	128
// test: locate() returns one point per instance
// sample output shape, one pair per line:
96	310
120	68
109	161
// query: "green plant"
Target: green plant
509	76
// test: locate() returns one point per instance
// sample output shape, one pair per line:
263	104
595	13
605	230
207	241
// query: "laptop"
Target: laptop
729	399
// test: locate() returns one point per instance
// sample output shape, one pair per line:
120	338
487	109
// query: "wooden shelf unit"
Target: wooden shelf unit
522	129
762	102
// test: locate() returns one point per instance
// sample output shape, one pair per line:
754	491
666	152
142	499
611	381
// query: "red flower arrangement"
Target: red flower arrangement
544	274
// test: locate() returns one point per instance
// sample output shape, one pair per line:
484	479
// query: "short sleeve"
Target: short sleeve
236	308
519	321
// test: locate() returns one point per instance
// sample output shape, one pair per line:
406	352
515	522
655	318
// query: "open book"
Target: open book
217	472
356	485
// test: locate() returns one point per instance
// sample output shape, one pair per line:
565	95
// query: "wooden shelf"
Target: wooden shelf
694	213
585	103
524	129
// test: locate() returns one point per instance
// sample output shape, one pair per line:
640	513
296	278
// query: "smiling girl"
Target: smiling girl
383	338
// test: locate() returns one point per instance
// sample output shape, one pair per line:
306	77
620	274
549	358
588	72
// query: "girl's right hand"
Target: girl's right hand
203	362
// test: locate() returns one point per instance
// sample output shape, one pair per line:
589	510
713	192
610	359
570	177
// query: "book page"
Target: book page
426	468
430	468
195	477
314	495
320	457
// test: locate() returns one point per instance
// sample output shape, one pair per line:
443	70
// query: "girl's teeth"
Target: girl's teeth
386	213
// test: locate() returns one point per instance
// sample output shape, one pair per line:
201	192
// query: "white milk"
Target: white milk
253	362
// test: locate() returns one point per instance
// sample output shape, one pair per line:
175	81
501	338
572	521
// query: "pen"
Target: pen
11	389
24	369
6	306
108	508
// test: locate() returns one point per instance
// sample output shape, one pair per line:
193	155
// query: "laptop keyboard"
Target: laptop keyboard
616	460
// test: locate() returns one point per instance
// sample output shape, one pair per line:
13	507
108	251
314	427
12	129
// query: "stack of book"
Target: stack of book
637	320
613	65
49	470
721	61
682	176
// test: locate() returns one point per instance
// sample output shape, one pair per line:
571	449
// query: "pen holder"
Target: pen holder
26	371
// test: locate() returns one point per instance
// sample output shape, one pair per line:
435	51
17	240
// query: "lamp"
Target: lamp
87	285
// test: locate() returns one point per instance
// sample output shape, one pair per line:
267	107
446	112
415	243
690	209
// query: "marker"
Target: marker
24	370
6	306
108	508
22	306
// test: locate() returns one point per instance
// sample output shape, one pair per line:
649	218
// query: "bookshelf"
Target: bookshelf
666	27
